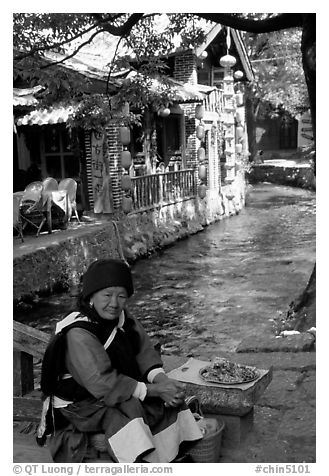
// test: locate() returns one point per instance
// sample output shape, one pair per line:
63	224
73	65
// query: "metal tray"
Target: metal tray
219	382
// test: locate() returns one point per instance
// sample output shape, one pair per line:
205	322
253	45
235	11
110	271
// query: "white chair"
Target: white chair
50	185
70	185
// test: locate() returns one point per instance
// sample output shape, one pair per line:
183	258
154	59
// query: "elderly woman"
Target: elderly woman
111	379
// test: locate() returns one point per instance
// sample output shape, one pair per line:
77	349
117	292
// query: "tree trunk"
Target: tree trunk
250	121
303	309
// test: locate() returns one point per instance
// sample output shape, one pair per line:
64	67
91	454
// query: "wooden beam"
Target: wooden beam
30	340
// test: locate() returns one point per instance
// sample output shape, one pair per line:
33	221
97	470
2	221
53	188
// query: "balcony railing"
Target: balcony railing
214	101
163	188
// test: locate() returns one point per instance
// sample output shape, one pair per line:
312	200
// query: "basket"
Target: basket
97	441
208	449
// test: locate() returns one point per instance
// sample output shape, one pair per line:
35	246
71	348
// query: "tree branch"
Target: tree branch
121	30
54	45
280	22
74	52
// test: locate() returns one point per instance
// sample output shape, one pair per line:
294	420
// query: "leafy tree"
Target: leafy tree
38	33
279	87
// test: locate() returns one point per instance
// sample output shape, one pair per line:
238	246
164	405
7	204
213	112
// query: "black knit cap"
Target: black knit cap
104	273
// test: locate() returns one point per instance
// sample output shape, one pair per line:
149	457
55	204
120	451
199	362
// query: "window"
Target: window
136	145
170	137
58	160
217	77
211	77
204	76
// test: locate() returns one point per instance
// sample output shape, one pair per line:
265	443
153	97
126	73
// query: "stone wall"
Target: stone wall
60	264
298	176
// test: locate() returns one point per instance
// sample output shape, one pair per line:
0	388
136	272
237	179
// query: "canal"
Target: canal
207	293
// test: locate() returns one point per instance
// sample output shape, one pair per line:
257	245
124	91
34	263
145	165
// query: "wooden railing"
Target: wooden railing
28	343
163	188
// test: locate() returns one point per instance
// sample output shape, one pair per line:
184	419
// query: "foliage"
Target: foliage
158	35
95	112
149	37
277	63
39	31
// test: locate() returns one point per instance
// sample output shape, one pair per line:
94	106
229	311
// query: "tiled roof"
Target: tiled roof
60	113
40	117
25	96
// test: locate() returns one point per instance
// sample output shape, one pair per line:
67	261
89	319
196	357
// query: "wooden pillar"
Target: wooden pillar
23	373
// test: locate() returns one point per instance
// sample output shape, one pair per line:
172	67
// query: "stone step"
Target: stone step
303	342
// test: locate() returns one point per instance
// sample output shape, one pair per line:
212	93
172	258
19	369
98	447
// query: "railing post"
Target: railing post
23	373
161	188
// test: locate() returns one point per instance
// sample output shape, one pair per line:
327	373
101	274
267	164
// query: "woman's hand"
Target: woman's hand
170	391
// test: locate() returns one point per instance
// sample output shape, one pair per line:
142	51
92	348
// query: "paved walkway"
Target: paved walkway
32	243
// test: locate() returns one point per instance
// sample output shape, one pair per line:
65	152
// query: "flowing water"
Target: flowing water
210	291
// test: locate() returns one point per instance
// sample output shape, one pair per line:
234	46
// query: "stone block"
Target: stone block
223	400
282	392
303	342
308	387
299	425
297	361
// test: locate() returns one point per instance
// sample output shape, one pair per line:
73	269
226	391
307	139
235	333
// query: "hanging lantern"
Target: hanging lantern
127	204
239	132
239	99
124	135
164	112
227	61
238	148
200	132
202	191
238	74
126	183
199	111
125	159
202	172
201	154
239	115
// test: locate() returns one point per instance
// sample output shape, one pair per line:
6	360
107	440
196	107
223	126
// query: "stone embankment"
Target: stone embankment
284	168
296	176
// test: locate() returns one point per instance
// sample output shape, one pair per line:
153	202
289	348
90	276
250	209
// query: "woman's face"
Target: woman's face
109	302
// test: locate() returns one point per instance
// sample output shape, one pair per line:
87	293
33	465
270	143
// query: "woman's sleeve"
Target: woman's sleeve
147	358
89	364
